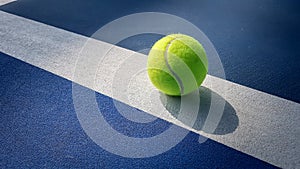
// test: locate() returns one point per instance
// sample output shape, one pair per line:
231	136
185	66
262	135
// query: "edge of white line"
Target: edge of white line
267	125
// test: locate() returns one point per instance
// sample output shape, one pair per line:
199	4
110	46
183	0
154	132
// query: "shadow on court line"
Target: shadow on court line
229	120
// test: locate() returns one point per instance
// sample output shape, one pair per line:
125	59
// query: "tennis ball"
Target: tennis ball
177	64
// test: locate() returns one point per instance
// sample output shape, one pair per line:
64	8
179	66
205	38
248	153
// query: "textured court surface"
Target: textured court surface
40	127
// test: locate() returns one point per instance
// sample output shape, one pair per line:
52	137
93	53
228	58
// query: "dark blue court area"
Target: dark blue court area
40	129
258	44
257	40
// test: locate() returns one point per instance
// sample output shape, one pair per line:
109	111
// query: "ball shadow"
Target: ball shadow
229	120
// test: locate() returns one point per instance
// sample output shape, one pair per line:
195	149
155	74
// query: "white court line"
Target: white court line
267	128
3	2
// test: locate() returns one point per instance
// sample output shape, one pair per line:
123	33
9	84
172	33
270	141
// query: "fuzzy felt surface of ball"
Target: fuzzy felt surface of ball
177	64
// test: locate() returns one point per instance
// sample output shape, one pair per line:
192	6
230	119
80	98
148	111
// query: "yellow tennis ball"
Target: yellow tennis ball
177	64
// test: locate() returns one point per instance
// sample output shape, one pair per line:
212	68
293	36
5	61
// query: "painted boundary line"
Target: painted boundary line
3	2
266	127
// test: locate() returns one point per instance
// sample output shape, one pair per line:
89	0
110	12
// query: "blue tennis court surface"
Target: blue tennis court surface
40	127
250	36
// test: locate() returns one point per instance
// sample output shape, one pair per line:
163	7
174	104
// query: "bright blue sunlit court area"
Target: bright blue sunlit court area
149	84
